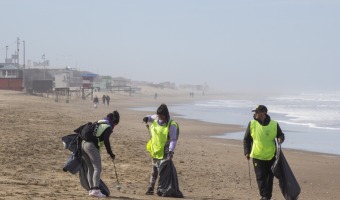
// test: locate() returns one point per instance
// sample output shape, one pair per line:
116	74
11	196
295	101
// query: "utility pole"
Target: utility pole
23	43
43	57
23	69
6	54
18	43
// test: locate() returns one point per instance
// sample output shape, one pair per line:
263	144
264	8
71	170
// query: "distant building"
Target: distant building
36	74
8	70
10	77
68	79
195	87
88	80
120	82
168	85
104	83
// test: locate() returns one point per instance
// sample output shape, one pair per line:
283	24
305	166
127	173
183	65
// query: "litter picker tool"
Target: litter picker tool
118	187
148	127
249	175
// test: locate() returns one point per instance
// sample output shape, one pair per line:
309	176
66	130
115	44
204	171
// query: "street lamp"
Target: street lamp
6	54
43	57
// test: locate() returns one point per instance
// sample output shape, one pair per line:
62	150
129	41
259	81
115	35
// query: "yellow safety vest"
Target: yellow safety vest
159	137
263	140
100	130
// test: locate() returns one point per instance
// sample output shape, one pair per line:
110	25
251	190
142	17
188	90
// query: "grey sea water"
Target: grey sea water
310	121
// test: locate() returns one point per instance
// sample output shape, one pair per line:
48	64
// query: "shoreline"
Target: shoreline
208	168
242	128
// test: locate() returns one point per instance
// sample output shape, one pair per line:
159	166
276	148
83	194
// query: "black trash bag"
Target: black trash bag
289	186
73	164
168	182
71	142
84	182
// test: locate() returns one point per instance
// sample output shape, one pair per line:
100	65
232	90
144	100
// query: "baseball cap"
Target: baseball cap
260	108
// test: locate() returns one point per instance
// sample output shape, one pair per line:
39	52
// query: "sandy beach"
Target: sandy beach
32	154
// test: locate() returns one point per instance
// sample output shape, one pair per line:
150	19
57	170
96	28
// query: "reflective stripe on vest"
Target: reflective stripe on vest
263	140
100	130
159	137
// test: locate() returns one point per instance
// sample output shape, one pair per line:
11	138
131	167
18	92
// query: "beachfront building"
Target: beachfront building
105	83
8	70
10	77
122	84
68	78
102	83
168	85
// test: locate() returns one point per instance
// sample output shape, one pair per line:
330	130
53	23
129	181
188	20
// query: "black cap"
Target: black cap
260	108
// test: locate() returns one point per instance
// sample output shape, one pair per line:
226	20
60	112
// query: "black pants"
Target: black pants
264	176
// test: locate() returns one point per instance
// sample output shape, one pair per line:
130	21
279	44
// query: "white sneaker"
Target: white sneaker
90	191
97	193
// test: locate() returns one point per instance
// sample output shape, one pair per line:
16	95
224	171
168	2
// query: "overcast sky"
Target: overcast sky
287	45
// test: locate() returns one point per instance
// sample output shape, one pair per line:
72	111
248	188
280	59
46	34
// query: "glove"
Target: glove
146	119
170	154
280	140
113	156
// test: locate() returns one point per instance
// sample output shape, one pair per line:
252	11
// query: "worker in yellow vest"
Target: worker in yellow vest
161	146
259	144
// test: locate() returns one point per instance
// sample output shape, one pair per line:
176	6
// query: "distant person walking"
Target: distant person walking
162	144
259	144
95	101
104	98
108	99
155	97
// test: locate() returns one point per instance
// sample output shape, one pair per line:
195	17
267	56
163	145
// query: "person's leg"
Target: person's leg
261	177
88	164
94	155
153	178
270	178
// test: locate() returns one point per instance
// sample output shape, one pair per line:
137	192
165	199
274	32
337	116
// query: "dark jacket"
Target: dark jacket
248	140
105	136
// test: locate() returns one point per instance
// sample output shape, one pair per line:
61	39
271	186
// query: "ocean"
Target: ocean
310	121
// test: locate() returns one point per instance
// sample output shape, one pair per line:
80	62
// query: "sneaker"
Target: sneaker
149	191
97	193
90	191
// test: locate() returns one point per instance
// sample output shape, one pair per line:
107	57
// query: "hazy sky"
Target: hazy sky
287	45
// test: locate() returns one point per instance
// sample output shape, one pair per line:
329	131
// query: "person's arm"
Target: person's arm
280	135
152	118
149	118
173	137
247	142
106	139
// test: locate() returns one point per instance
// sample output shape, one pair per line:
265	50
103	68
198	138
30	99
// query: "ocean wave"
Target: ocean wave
310	125
227	103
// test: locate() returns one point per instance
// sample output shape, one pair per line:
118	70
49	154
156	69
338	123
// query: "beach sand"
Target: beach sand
32	154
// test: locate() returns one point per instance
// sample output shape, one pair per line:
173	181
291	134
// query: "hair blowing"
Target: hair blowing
163	110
